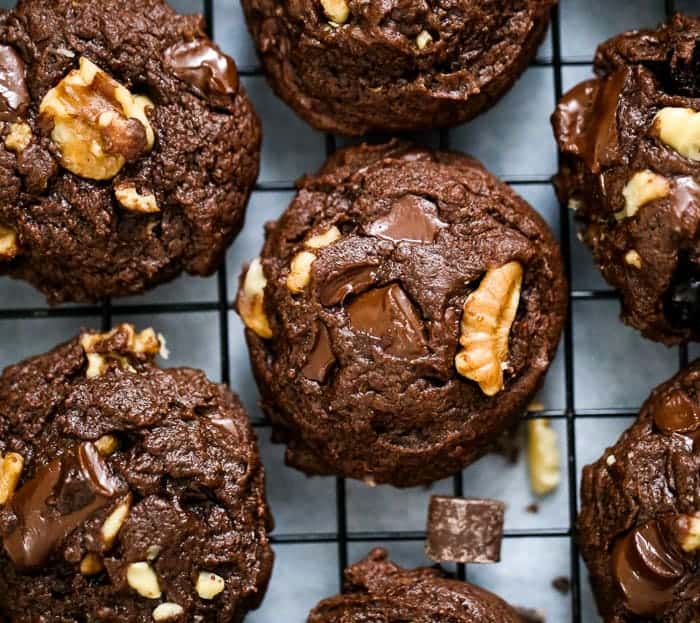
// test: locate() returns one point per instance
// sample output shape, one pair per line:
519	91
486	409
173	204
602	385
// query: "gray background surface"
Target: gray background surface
613	368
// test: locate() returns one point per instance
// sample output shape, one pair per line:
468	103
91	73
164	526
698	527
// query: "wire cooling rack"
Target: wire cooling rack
601	375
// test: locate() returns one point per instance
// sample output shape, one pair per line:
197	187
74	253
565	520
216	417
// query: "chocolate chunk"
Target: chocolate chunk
647	568
675	412
202	64
321	358
351	280
682	300
412	219
465	530
60	497
14	97
388	314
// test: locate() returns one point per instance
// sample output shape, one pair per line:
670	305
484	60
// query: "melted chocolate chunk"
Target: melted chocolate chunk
14	97
321	358
203	65
351	280
647	568
682	299
412	219
462	530
676	412
587	120
59	498
388	314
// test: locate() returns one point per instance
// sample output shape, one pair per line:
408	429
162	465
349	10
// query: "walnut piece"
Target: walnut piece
337	11
679	128
132	200
644	187
91	565
300	271
423	39
543	457
143	344
632	258
98	125
167	611
19	137
689	530
11	466
326	239
143	579
9	248
209	585
106	445
488	316
114	522
251	301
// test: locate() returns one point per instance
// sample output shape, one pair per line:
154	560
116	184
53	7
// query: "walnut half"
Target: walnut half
489	313
98	125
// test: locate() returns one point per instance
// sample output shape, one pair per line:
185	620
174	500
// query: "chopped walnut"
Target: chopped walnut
114	522
543	457
19	137
91	564
489	313
337	11
300	271
98	125
11	466
632	258
679	128
644	187
423	39
321	241
9	247
127	343
251	301
143	579
688	527
209	585
132	200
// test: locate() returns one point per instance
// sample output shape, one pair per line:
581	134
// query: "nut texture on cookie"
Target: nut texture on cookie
631	169
404	310
376	589
127	492
128	148
357	66
639	525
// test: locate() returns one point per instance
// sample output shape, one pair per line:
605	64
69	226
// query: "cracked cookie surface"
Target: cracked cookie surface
640	513
368	364
127	492
376	589
631	170
354	66
130	148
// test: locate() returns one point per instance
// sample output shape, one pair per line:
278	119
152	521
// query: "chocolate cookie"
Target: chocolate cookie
376	589
639	527
357	66
631	170
128	147
127	492
404	311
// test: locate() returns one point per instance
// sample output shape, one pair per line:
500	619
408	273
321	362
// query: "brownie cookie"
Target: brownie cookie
376	589
639	527
631	170
128	147
127	492
403	313
357	66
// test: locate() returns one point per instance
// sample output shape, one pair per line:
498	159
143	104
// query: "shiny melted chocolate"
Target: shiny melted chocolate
411	219
203	65
676	412
353	279
388	315
60	498
648	568
14	97
321	358
587	120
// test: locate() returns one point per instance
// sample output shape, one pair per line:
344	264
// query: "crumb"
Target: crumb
533	508
562	584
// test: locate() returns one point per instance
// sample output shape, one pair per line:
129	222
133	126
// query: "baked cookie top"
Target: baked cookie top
376	589
639	527
631	170
127	492
404	310
128	147
357	66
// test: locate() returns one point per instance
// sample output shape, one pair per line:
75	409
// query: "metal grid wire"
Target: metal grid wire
569	414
